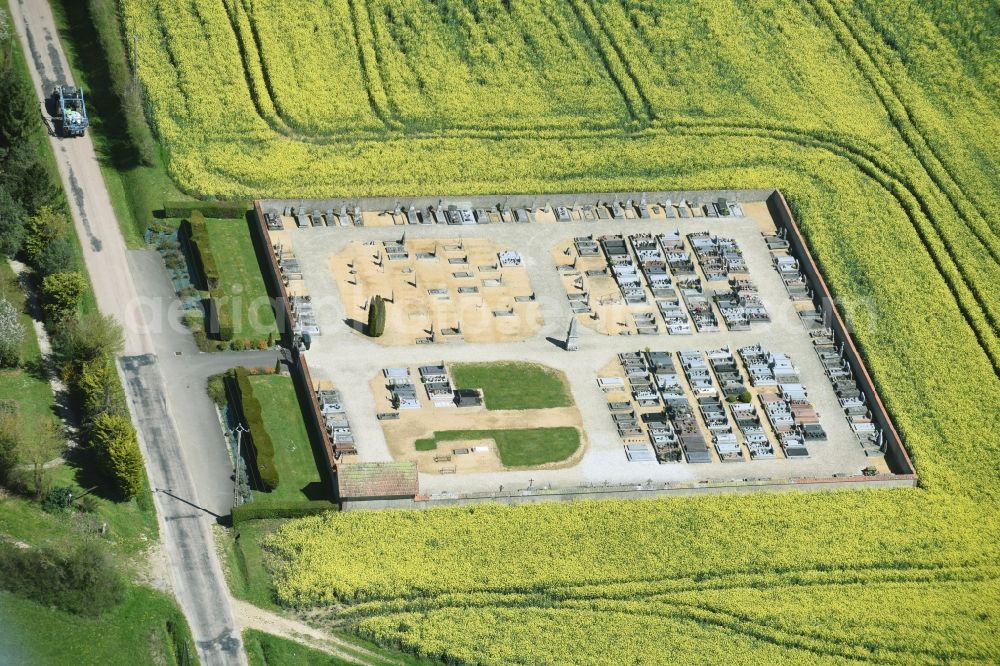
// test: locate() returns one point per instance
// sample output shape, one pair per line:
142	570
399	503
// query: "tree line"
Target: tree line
35	227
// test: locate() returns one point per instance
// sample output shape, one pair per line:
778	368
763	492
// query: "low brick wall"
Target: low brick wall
637	491
298	368
895	455
272	275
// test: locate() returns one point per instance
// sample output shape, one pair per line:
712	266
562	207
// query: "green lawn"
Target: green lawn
269	650
131	526
32	392
241	280
298	470
514	385
133	633
33	395
521	447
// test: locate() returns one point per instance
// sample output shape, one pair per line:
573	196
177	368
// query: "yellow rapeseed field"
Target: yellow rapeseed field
879	121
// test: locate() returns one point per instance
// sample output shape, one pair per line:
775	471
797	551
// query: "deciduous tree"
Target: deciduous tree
61	295
11	334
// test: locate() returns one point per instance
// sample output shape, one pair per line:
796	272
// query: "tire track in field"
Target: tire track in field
764	623
884	68
904	194
702	614
781	636
902	117
252	61
276	120
987	339
642	110
779	577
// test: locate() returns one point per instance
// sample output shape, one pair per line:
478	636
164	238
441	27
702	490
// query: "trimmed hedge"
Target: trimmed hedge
219	315
216	210
263	446
202	249
291	509
219	311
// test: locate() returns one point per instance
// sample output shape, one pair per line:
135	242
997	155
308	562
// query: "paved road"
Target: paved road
184	520
185	373
197	575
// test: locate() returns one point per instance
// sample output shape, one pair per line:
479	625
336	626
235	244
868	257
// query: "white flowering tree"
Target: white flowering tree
11	334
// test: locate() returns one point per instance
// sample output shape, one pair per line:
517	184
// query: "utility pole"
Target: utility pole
239	430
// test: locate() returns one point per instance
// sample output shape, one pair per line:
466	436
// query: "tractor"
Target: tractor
71	111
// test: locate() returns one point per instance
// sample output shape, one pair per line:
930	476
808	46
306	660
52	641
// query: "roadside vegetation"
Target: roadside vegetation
131	159
146	627
269	650
265	649
76	516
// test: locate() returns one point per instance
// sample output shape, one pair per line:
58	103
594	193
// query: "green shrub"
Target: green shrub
376	317
217	390
289	509
82	581
57	499
100	389
61	294
41	229
745	396
114	440
263	446
80	341
211	209
201	248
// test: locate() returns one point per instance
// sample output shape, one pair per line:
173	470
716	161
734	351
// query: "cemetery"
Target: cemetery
578	342
455	419
439	290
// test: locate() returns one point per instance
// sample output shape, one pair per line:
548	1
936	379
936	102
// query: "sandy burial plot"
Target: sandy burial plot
438	290
587	280
414	424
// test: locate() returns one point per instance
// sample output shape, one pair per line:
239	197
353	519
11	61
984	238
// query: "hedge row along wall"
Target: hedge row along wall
255	511
210	209
260	444
218	310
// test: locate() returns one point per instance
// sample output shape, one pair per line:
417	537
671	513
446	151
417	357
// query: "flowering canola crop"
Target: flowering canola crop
873	117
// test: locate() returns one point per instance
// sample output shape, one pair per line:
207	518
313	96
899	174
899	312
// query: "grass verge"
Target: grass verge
269	650
246	574
514	385
520	447
297	464
147	628
91	39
